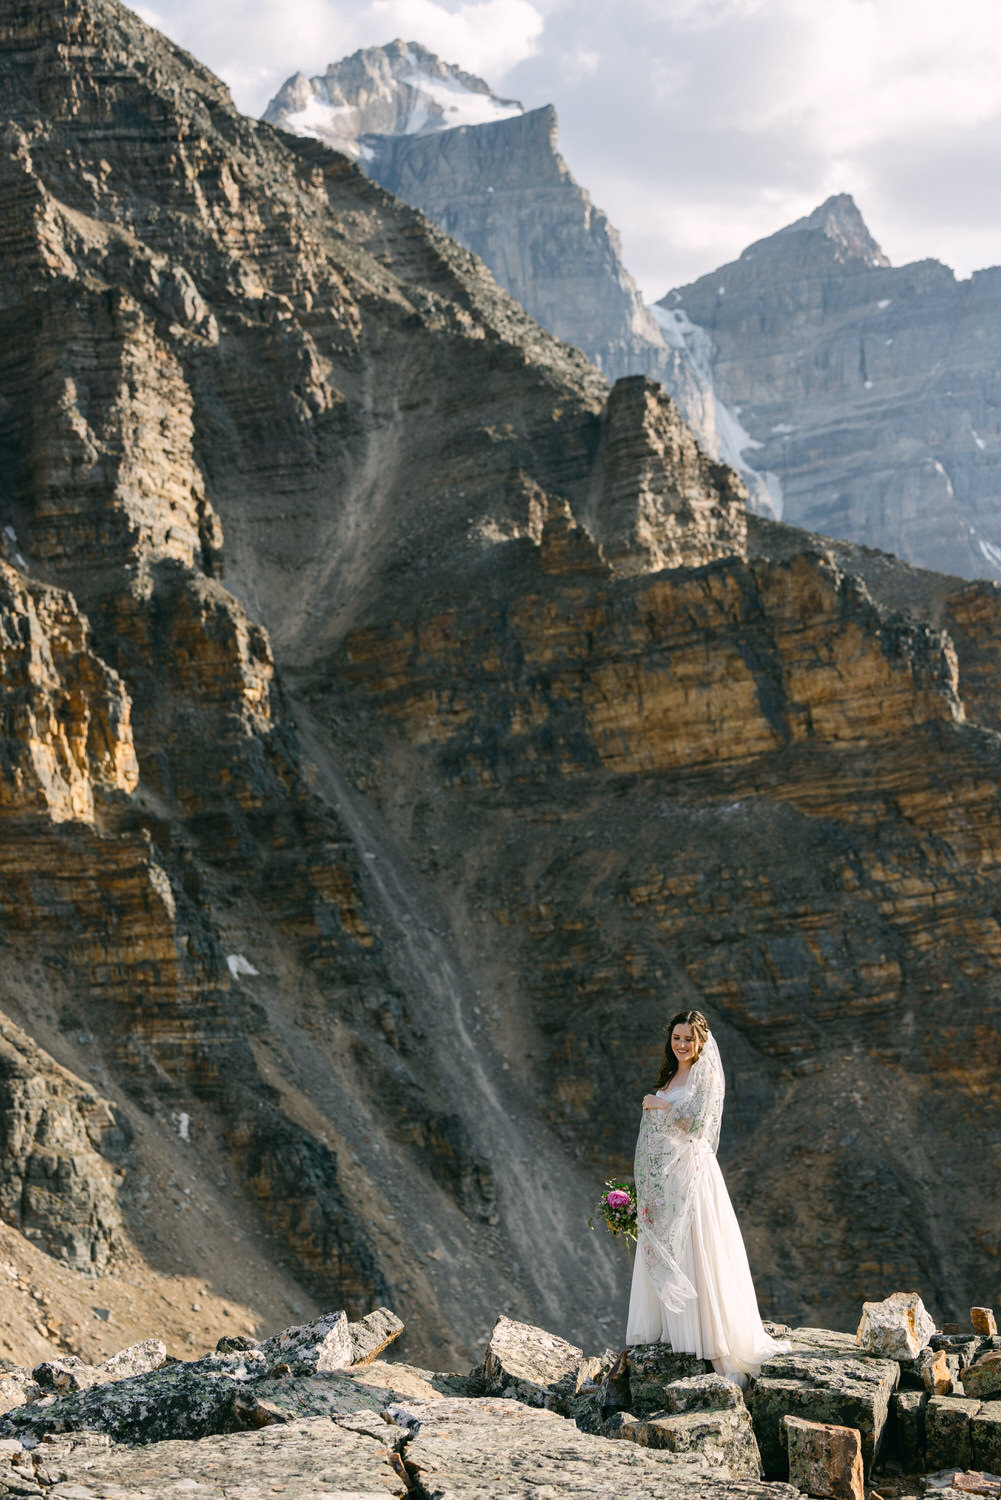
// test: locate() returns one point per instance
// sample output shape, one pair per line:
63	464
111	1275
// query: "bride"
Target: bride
691	1282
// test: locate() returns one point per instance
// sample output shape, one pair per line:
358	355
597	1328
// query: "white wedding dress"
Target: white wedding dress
692	1285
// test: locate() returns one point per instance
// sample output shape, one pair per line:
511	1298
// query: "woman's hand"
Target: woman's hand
652	1101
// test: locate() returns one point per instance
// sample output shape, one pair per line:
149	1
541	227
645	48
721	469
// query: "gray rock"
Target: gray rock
896	1328
66	1374
909	1429
464	1450
17	1387
373	1334
137	1359
652	1368
823	1380
703	1393
983	1378
985	1437
311	1348
175	1401
300	1461
948	1440
531	1364
720	1441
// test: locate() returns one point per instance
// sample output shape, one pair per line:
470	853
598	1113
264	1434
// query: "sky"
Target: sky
698	126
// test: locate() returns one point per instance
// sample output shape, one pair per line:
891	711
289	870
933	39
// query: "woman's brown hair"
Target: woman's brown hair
700	1033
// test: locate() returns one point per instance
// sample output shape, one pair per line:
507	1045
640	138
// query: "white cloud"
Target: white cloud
486	36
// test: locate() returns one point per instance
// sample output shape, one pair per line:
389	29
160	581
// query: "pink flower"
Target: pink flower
618	1199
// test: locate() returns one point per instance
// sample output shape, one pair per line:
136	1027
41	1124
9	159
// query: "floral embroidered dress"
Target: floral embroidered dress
692	1285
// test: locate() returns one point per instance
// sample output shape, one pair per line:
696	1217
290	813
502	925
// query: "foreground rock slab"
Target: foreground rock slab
303	1461
468	1449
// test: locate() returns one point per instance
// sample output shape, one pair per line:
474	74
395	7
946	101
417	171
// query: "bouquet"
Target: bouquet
617	1206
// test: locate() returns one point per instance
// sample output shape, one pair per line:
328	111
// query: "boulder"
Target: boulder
821	1379
373	1334
982	1379
909	1429
896	1328
137	1359
936	1372
703	1393
982	1320
532	1365
652	1368
298	1461
66	1374
176	1401
985	1437
825	1460
17	1387
236	1343
948	1442
721	1441
311	1348
464	1450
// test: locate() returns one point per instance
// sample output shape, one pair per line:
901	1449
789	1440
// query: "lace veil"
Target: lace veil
672	1148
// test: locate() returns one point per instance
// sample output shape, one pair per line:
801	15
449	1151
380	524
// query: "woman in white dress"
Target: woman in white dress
691	1285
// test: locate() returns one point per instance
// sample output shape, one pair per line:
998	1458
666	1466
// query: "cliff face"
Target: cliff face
398	728
870	390
492	178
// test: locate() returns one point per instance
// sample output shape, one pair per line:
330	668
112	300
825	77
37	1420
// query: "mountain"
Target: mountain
870	391
398	726
491	176
400	89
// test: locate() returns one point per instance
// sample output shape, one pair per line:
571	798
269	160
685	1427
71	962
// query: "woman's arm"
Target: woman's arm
654	1101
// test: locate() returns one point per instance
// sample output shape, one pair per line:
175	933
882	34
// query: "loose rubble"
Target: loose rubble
315	1411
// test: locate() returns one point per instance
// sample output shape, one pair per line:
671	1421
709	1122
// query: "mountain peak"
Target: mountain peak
836	227
399	89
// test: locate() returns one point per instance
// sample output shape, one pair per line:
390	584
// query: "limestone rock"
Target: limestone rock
720	1440
532	1364
64	1151
936	1376
656	1368
16	1388
312	1348
177	1400
909	1429
833	1386
982	1379
464	1450
374	1333
703	1393
62	1375
137	1359
825	1460
896	1328
300	1460
985	1437
948	1440
983	1321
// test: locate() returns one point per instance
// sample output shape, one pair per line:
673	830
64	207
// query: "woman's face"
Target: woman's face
683	1043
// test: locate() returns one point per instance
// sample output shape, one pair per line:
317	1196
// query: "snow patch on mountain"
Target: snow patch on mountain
732	440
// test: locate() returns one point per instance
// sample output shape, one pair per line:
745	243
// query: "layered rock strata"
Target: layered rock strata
403	727
868	389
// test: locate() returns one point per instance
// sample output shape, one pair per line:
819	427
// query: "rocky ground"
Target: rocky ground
315	1411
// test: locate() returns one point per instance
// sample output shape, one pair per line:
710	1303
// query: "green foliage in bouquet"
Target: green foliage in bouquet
617	1206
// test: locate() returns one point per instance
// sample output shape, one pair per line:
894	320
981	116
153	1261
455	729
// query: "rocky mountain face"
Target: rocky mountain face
400	89
398	726
491	176
869	390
